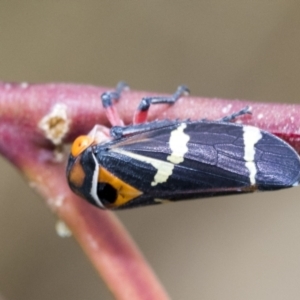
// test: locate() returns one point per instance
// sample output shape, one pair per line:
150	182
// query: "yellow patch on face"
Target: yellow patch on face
125	192
77	175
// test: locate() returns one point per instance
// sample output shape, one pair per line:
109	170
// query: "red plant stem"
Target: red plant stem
101	235
105	241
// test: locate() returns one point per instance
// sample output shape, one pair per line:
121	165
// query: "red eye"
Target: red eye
80	144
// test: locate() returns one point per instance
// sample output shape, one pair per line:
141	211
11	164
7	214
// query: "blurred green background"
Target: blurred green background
243	247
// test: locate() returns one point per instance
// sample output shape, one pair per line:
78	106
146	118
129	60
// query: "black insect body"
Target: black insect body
161	161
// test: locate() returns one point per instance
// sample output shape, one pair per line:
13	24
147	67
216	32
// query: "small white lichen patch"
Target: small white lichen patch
36	185
91	241
58	201
55	124
59	154
227	108
62	229
32	184
260	116
24	85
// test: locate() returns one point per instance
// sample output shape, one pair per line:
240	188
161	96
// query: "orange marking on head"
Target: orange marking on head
77	175
80	144
125	192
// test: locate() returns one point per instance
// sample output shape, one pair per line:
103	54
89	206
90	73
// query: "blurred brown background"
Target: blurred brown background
243	247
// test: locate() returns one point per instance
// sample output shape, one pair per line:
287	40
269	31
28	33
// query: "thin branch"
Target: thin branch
35	122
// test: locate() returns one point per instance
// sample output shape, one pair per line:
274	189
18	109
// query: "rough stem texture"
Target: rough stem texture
37	120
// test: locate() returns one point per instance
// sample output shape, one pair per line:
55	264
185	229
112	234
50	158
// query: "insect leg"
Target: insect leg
124	131
141	113
108	99
246	110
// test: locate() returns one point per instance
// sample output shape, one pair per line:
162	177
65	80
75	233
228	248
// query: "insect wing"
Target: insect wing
200	159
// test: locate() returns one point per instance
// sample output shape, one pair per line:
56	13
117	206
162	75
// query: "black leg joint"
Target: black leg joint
116	132
107	99
121	86
245	111
181	90
144	104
